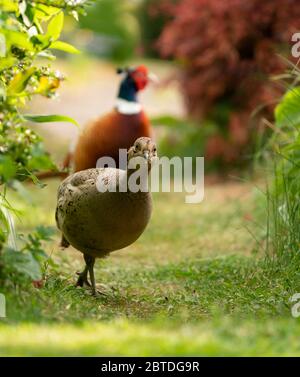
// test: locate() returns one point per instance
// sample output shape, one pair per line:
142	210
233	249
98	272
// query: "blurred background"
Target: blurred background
216	62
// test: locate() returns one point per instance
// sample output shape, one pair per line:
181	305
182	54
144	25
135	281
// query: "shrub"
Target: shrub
283	194
28	31
227	50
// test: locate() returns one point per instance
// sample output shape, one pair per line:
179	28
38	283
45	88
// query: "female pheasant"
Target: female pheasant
97	222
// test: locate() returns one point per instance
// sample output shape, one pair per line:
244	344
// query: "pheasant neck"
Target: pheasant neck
135	179
127	102
128	107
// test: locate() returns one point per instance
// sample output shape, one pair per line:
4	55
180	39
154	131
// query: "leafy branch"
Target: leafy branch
29	31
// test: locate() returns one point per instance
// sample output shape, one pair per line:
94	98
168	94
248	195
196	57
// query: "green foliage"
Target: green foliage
283	195
63	46
26	262
50	118
286	140
29	31
288	110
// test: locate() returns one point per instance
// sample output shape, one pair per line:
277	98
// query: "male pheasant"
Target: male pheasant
117	129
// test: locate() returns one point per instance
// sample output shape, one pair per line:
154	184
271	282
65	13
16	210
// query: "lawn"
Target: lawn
195	283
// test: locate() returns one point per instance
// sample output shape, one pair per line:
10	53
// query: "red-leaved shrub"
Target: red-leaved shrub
228	50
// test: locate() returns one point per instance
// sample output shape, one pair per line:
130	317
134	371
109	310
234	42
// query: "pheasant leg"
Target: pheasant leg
90	261
83	279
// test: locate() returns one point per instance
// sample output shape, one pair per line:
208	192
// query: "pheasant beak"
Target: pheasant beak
153	78
146	155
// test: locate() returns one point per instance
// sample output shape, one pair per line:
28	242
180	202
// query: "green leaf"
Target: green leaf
55	26
7	63
46	55
63	46
17	38
40	160
49	118
23	263
9	6
41	42
288	111
19	82
8	168
43	11
35	179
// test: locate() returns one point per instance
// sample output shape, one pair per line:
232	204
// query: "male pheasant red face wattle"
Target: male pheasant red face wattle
141	77
117	129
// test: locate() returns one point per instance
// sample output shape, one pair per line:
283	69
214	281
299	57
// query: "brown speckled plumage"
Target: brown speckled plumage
97	223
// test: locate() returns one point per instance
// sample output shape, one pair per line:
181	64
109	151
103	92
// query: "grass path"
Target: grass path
190	285
222	337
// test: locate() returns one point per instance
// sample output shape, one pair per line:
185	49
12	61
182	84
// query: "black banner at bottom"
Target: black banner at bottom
131	366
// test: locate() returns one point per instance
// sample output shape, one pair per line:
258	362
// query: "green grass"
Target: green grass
189	286
217	337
